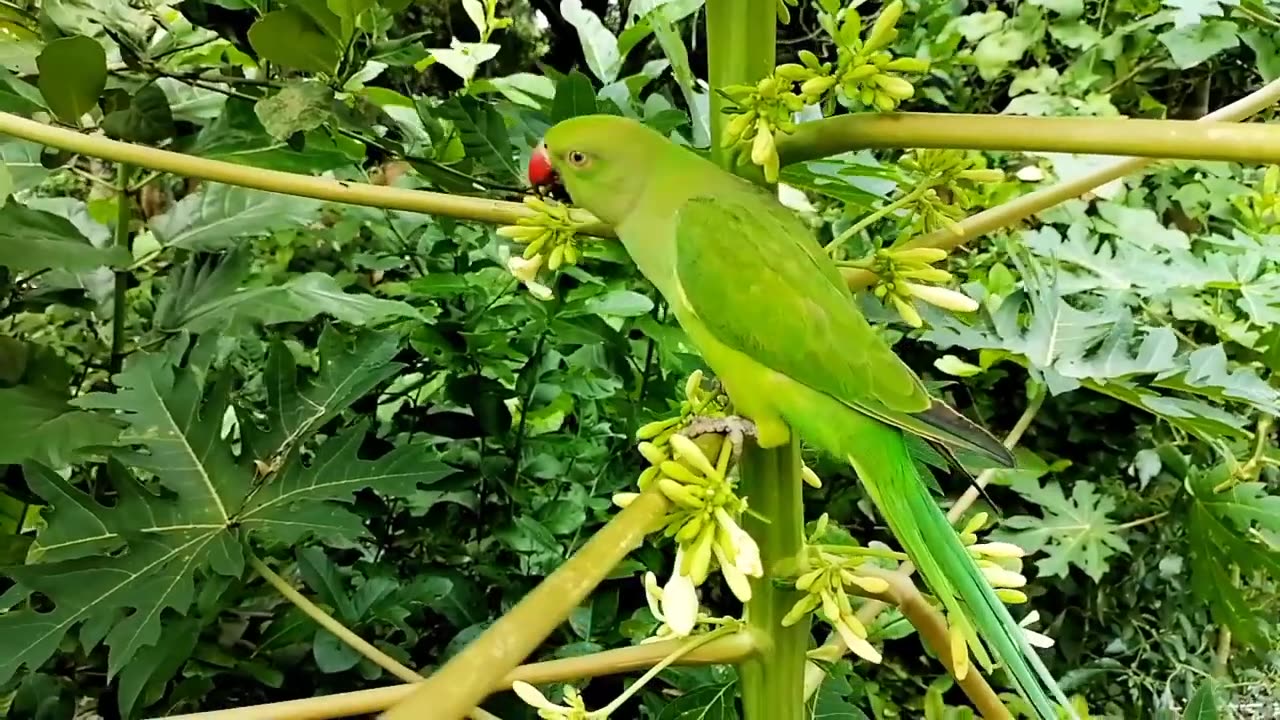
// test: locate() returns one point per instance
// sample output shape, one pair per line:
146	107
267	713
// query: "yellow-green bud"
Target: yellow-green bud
907	65
815	87
763	145
793	72
883	33
862	72
809	59
803	607
654	429
895	87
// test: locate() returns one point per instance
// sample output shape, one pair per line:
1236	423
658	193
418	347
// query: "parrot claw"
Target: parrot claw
736	429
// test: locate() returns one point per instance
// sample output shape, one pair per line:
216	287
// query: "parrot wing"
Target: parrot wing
759	281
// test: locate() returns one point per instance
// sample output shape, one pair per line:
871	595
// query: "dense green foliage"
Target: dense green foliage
370	402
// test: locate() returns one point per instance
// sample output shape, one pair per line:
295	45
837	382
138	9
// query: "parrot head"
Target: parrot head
602	161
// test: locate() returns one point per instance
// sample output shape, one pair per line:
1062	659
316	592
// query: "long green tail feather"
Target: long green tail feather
887	471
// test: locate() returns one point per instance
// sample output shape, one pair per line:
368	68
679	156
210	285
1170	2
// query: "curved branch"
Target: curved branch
354	193
1011	212
1174	139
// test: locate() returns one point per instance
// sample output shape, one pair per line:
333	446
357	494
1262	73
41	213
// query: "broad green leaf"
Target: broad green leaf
524	88
144	679
349	368
1204	704
623	303
484	135
22	161
297	300
1266	52
237	136
217	215
298	107
293	38
38	424
574	97
1221	533
147	119
1189	13
190	103
1190	46
308	500
599	46
710	702
73	73
33	240
1074	531
17	96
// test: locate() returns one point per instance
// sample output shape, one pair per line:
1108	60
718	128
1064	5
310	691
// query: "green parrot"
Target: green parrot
772	317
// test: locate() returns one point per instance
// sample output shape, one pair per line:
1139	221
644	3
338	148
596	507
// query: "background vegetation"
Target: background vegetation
438	440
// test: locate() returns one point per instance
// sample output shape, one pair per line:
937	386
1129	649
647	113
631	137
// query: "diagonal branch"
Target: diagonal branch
1007	214
466	680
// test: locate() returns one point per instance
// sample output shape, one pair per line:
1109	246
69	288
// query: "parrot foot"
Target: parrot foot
736	429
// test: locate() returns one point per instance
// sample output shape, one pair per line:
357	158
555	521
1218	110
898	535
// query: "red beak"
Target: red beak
541	174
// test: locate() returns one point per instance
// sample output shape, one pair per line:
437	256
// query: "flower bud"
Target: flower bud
998	550
654	454
762	146
809	59
908	311
810	477
999	577
689	451
942	297
862	72
987	175
803	607
895	87
907	65
882	32
959	652
923	255
624	499
793	72
816	87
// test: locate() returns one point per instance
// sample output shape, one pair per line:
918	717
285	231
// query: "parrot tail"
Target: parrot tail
884	464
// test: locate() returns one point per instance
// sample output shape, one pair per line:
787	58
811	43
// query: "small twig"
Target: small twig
876	216
1142	521
328	622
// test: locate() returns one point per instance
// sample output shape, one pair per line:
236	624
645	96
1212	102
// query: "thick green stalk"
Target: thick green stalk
741	38
773	681
119	311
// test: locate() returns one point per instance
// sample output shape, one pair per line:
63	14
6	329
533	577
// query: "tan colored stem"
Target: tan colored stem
933	629
468	678
727	650
1011	212
834	647
1207	139
355	193
328	622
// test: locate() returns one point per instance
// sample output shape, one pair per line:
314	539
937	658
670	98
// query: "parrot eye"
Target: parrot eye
577	158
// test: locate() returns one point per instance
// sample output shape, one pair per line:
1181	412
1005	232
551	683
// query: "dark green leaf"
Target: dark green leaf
73	72
710	702
217	215
146	119
1204	704
298	107
484	135
38	424
574	97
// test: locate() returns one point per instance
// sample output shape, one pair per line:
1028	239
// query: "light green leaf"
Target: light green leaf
298	107
598	44
218	214
1190	46
1074	531
33	240
465	58
1266	52
484	135
237	136
622	303
952	365
73	73
22	161
1189	13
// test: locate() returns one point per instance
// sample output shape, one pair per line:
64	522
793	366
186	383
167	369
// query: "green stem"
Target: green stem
871	219
1175	139
741	37
773	681
119	310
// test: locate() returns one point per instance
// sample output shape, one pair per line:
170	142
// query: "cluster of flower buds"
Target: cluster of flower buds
551	238
762	111
833	574
703	521
699	401
866	74
902	274
952	178
1000	562
1260	208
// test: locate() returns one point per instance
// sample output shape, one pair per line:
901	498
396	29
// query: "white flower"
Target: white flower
1034	638
526	271
532	696
942	297
679	600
